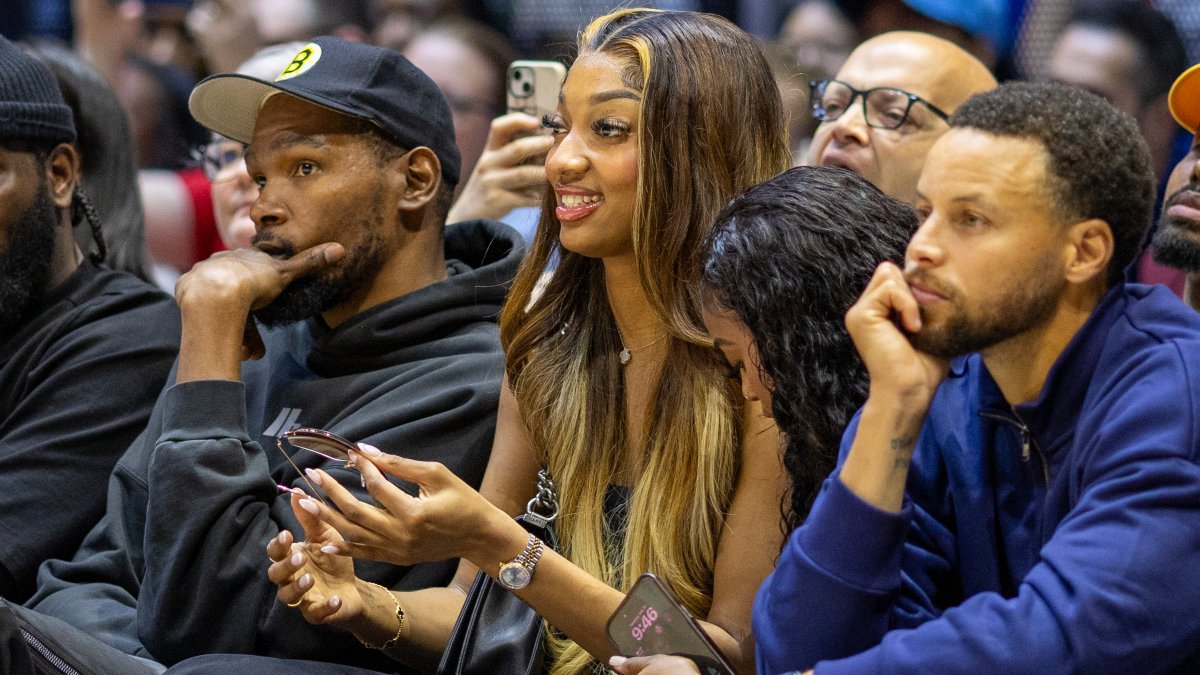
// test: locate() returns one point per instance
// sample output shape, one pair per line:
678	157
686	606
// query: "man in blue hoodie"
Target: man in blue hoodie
1034	505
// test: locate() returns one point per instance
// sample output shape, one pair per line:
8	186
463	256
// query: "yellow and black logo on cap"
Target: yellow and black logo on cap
305	59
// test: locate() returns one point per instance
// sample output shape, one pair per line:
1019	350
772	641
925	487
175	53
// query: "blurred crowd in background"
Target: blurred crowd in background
152	52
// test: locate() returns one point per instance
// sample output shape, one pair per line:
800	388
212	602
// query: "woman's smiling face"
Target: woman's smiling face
593	166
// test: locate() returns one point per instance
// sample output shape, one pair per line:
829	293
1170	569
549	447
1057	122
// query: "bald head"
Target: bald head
941	73
930	67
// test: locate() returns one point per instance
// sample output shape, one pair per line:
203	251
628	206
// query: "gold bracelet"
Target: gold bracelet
399	618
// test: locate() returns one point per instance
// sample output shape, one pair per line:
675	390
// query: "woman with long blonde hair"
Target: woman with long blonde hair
612	383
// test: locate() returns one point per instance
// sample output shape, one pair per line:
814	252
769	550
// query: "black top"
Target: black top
77	383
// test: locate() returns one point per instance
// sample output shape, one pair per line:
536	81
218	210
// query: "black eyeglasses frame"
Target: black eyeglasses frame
816	88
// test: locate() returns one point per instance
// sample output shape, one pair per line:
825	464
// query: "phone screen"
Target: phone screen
651	621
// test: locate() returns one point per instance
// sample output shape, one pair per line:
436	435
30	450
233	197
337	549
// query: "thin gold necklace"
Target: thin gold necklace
626	353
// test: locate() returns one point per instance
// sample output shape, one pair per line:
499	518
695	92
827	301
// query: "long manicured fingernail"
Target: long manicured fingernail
335	602
369	450
310	506
306	581
313	475
298	559
332	550
616	661
282	538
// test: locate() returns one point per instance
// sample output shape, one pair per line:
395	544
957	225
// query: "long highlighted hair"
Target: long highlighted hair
711	125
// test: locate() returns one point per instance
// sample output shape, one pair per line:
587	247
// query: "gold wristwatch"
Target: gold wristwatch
518	572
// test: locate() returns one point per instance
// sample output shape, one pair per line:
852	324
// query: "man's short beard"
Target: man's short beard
1172	247
324	290
1030	304
25	263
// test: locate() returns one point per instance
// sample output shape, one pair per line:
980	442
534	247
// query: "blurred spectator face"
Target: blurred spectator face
933	69
283	20
145	103
818	35
233	191
1101	61
398	22
1111	64
166	40
466	79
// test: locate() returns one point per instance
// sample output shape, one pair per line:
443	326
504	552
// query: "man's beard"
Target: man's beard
328	288
25	263
1030	304
1172	246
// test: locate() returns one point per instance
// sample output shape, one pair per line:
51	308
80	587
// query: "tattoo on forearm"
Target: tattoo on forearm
902	451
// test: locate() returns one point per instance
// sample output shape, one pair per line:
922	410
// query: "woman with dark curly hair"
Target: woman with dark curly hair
786	259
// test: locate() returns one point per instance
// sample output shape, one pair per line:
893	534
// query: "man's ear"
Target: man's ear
62	174
422	173
1090	248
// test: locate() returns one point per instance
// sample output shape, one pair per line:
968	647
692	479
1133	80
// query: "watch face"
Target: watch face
514	575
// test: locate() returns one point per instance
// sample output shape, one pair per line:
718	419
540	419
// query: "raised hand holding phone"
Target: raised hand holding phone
533	87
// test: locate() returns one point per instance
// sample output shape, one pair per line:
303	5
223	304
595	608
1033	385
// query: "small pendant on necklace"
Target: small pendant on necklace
624	355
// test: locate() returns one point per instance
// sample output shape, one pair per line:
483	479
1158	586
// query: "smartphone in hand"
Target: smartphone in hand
650	621
533	87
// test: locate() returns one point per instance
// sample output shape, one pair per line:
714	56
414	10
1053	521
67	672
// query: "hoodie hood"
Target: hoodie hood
481	260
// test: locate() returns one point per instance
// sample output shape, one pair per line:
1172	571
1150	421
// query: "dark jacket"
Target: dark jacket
77	383
178	564
1059	536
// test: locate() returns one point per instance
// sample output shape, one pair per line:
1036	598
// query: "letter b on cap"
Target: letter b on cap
306	58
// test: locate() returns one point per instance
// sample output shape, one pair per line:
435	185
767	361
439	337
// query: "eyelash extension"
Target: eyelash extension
554	124
609	126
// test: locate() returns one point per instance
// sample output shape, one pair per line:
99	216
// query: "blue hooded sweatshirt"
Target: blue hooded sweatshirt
1061	535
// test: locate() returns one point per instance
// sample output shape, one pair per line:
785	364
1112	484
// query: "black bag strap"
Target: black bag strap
496	632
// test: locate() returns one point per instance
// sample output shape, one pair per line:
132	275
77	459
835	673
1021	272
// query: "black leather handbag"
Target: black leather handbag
496	632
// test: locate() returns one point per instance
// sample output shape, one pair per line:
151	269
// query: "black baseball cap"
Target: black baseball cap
358	80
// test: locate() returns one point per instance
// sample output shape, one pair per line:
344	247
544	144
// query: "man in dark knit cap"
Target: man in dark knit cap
356	310
84	350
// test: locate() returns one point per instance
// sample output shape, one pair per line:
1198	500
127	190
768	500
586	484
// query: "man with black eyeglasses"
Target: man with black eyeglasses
889	103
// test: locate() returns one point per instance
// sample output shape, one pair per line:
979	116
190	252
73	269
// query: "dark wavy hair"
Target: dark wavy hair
1098	164
789	256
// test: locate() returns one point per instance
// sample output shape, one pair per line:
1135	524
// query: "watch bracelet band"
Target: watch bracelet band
530	544
536	555
530	555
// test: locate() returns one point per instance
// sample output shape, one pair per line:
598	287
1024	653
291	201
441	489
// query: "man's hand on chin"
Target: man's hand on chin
215	300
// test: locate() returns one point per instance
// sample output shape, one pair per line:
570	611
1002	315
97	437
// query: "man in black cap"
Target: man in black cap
371	319
84	350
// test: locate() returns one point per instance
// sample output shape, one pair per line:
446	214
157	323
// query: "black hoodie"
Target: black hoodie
78	380
178	563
